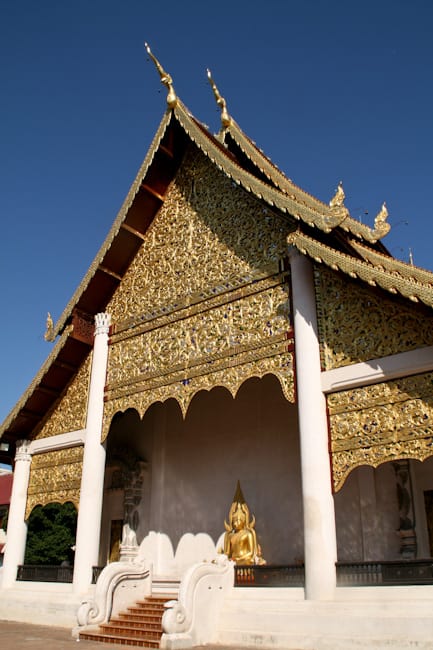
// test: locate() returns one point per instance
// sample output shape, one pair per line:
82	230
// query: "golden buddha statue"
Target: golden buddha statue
240	541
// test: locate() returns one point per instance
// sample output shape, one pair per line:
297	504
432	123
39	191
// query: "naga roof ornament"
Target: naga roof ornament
337	202
166	79
372	235
381	226
226	120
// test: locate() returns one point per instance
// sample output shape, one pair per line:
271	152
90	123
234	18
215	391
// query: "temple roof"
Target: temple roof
391	277
325	232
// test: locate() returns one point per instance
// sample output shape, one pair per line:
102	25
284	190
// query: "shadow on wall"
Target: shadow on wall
157	549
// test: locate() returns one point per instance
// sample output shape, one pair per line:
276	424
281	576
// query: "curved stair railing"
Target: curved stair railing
193	618
119	584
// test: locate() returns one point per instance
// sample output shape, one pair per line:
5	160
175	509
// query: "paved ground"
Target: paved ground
22	636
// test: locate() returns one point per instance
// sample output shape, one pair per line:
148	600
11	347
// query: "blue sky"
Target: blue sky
329	90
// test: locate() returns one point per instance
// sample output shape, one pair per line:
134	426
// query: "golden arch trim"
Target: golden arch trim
375	424
345	462
55	477
183	390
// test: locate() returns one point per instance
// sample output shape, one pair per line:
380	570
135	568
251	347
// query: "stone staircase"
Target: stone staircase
139	625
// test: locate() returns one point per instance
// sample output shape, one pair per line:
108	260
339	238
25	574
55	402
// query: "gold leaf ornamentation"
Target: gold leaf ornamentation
357	324
207	230
55	477
69	413
205	302
183	389
375	424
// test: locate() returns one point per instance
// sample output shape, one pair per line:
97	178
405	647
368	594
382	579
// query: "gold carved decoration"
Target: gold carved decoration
337	202
55	477
381	226
208	335
356	324
183	386
69	413
397	267
205	302
379	423
207	230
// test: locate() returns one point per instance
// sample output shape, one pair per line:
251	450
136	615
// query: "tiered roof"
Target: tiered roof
325	232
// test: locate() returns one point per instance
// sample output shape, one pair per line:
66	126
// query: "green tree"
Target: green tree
4	514
51	534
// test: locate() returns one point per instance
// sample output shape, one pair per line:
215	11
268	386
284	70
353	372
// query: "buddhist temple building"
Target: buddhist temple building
234	328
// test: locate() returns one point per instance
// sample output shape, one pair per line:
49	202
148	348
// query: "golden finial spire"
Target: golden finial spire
166	79
337	200
226	120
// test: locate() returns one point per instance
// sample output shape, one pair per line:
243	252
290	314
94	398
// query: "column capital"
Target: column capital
23	450
102	323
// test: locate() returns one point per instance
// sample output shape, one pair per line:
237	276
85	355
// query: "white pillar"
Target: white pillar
320	545
92	479
17	528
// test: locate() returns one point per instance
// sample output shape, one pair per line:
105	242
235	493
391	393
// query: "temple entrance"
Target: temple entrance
194	463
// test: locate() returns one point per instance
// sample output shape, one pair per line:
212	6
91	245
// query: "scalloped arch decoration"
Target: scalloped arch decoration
183	392
384	422
55	476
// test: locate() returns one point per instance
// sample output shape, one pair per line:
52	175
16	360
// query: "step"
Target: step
136	632
157	607
141	614
157	600
139	625
143	611
134	621
136	618
119	639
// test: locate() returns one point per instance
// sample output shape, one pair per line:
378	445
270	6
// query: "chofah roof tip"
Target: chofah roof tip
226	120
166	79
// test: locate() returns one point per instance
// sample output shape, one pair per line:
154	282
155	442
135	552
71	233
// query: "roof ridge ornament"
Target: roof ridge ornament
337	200
166	79
381	226
49	330
337	204
226	120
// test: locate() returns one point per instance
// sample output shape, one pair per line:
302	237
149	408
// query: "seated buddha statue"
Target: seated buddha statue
240	541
